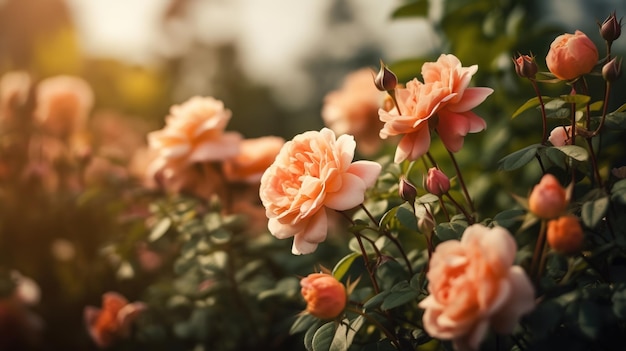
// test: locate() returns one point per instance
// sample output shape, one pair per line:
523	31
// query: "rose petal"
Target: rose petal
521	301
472	97
412	146
368	171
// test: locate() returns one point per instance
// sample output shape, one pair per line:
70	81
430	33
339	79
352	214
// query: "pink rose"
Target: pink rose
254	157
473	285
437	182
314	171
194	132
353	109
560	136
455	116
571	55
63	105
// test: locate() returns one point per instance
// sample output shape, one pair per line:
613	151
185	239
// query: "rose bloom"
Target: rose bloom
565	235
63	105
548	199
353	109
325	296
571	55
560	136
437	182
194	132
254	157
474	285
314	171
113	321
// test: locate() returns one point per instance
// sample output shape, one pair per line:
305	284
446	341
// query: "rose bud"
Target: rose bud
437	183
325	296
385	80
571	55
612	70
407	191
611	28
548	199
565	235
525	66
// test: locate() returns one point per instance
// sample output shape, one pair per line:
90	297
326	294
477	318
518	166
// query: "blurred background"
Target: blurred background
270	61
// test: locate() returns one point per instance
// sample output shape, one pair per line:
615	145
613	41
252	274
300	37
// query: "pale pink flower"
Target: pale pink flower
314	171
353	109
455	116
560	136
571	55
474	285
255	155
63	104
194	132
113	321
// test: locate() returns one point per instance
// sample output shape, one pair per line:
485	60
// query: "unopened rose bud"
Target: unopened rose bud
612	70
407	191
325	296
385	80
525	66
565	235
611	28
548	199
437	183
571	55
426	224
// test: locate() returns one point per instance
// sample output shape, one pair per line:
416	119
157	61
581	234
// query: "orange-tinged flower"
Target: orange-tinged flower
561	135
565	235
473	285
571	55
194	132
325	296
113	321
63	104
548	199
255	155
312	172
353	109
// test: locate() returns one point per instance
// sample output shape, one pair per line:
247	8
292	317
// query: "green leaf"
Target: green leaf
417	8
574	151
427	199
519	158
618	193
615	120
576	99
376	300
302	323
407	218
324	337
594	211
532	102
509	218
345	334
400	294
343	266
160	229
619	302
449	231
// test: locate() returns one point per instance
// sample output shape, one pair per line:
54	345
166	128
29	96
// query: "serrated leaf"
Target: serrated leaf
323	337
160	229
417	8
518	158
343	266
574	151
532	102
594	211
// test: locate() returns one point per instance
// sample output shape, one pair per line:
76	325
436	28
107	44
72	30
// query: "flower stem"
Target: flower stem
538	253
470	218
393	338
544	134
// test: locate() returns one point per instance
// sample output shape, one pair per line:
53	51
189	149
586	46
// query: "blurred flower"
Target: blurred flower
571	55
437	182
63	105
194	132
26	289
473	285
548	199
176	176
353	109
312	172
149	260
63	250
619	172
611	28
14	89
102	171
325	296
560	136
565	235
113	321
255	155
525	66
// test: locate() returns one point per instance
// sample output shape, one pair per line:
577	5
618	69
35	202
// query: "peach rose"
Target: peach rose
353	109
63	104
548	199
455	116
571	55
560	136
254	157
194	132
113	321
312	172
565	235
325	296
473	285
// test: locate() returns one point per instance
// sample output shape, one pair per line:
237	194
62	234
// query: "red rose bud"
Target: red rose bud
385	80
407	191
565	235
612	70
611	28
437	183
525	66
325	296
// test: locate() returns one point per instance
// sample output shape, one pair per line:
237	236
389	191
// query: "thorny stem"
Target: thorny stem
393	338
470	218
544	134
